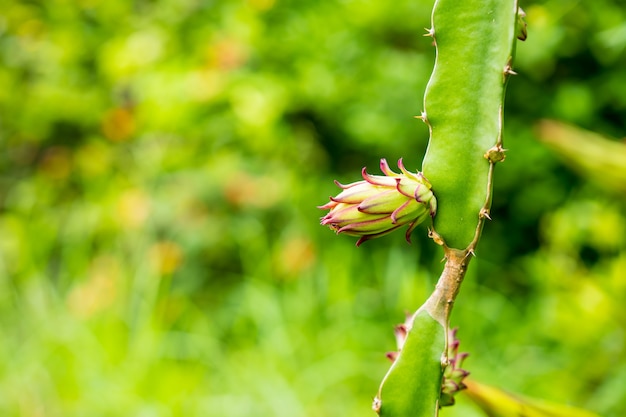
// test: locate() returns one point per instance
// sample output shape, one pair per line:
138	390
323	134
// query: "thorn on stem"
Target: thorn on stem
444	360
376	404
508	69
422	117
435	237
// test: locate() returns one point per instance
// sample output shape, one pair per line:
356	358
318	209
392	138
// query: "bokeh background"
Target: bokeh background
160	250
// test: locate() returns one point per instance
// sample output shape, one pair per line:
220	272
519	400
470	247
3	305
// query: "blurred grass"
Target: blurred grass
160	253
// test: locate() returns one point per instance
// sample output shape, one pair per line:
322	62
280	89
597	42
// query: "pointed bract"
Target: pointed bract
453	375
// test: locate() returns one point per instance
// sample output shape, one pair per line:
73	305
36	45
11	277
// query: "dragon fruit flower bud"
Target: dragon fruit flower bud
380	204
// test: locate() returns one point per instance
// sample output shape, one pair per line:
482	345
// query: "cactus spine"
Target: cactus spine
463	108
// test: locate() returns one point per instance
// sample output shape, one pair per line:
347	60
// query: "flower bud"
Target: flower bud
380	204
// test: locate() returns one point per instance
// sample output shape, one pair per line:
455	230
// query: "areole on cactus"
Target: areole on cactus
378	205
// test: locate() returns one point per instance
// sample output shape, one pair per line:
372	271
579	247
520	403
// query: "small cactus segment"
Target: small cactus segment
381	204
412	385
463	109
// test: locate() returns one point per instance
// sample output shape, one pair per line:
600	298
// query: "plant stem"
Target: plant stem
440	302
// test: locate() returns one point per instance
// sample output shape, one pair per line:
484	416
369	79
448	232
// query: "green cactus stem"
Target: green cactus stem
463	108
453	376
414	380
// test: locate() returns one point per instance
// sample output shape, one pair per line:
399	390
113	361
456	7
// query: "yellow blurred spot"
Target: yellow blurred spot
118	124
33	28
616	275
166	257
133	208
99	291
592	300
261	5
93	158
55	163
227	55
203	85
243	189
296	255
127	55
537	16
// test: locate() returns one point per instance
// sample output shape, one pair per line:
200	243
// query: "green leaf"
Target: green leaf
497	403
593	156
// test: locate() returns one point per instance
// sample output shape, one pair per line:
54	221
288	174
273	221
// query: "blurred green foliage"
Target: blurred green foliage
160	253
